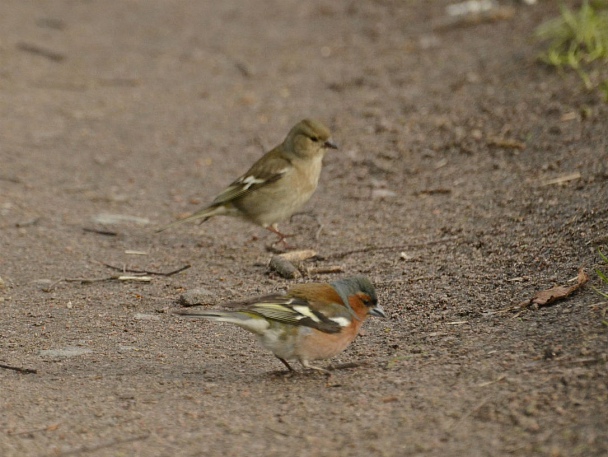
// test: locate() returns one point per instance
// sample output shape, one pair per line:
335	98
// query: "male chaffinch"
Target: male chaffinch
309	322
278	184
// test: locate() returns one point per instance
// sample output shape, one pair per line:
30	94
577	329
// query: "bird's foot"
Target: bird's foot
306	364
282	239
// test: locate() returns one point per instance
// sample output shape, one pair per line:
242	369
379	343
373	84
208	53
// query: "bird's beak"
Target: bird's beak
377	311
329	144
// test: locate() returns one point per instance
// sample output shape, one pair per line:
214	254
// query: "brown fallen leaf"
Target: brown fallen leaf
546	297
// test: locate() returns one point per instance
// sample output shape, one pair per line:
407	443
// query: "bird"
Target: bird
308	322
275	186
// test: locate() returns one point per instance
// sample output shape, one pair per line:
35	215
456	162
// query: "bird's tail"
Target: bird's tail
212	314
203	214
249	321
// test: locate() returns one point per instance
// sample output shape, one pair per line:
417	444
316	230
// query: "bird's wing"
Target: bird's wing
293	311
270	168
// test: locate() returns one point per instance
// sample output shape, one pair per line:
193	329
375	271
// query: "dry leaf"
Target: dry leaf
546	297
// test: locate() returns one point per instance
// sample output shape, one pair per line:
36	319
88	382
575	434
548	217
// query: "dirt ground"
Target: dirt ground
468	178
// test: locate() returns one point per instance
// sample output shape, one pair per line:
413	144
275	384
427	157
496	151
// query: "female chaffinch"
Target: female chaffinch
277	185
309	322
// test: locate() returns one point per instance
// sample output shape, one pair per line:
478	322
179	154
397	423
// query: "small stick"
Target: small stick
18	369
479	405
438	190
27	223
135	278
318	232
147	272
562	179
298	256
340	255
34	49
52	286
10	179
506	143
89	280
102	445
28	432
324	270
109	278
100	232
259	143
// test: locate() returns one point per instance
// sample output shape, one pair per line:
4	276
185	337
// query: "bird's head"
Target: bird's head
362	290
308	138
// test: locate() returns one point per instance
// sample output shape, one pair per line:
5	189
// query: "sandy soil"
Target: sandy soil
451	134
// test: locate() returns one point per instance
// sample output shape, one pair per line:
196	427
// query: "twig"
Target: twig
135	275
318	232
109	278
583	361
30	431
489	383
259	143
298	256
278	432
29	222
52	285
506	143
100	232
98	446
18	369
455	424
147	272
439	190
10	179
562	179
340	255
324	270
35	49
88	280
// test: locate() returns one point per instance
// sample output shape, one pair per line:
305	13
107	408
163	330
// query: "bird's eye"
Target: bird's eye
314	138
368	301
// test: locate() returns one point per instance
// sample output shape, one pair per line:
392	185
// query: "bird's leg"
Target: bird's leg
273	228
306	364
285	363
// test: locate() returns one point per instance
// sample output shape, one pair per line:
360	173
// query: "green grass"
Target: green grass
578	39
602	276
